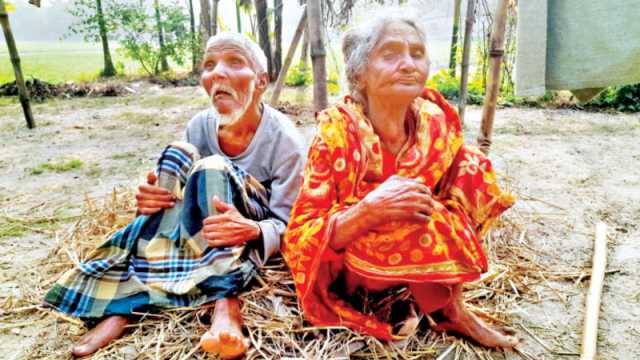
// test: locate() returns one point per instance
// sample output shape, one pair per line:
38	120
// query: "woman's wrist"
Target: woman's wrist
350	224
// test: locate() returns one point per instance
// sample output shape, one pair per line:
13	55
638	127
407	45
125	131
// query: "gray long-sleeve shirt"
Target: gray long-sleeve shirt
275	157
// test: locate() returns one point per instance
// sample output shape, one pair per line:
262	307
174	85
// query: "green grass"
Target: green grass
60	61
124	155
162	101
141	118
13	227
57	166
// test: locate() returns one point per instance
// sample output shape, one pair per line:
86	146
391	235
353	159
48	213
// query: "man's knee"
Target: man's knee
214	162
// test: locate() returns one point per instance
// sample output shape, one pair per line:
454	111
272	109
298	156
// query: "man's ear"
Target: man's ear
263	81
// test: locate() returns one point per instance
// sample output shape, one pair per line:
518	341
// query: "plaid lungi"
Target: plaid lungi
162	261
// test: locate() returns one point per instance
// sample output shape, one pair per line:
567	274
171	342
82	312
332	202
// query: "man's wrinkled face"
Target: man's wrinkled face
397	65
230	81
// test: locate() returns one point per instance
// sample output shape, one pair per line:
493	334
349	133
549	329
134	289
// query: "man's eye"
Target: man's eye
418	54
209	65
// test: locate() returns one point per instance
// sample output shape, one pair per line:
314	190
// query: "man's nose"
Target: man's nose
219	70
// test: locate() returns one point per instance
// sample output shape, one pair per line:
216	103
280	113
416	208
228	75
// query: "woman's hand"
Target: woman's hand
229	227
398	199
150	198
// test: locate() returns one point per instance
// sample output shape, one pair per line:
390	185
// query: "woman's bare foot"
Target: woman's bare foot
225	336
463	321
100	336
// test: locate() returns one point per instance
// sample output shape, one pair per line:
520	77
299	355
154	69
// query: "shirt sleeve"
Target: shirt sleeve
288	165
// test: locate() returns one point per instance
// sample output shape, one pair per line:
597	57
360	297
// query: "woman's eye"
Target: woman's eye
388	55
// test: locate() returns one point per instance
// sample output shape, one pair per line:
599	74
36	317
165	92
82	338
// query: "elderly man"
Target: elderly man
214	209
391	196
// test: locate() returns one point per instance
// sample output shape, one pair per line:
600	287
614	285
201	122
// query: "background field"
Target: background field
60	61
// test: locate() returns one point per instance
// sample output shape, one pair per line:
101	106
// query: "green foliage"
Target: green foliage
333	86
449	86
298	76
87	19
628	98
138	35
446	84
622	98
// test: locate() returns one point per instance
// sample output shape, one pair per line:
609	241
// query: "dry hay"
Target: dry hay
272	318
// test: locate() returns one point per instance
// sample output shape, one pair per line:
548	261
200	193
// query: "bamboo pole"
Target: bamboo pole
287	61
23	92
454	37
318	54
466	50
493	85
590	329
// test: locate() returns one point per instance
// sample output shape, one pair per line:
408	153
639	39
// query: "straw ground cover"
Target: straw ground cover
561	167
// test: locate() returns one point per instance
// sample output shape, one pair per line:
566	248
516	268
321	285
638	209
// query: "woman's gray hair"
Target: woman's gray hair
358	43
253	52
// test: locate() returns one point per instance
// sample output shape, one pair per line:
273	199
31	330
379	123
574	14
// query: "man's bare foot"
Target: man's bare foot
225	336
463	321
100	336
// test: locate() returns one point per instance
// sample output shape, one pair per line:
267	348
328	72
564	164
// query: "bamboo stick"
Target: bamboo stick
590	329
466	50
287	61
15	61
318	54
493	85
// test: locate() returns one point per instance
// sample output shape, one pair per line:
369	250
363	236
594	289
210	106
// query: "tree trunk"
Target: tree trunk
318	54
263	33
205	22
238	20
214	17
23	92
109	70
287	61
304	51
277	19
466	50
454	38
194	47
164	65
496	52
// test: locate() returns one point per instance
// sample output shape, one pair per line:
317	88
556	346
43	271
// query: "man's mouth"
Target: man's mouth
223	91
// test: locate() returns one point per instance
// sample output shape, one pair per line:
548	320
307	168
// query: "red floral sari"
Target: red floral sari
346	161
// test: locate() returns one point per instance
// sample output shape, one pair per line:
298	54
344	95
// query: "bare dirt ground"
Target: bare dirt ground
569	169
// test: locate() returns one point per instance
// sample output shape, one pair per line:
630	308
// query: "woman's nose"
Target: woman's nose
407	63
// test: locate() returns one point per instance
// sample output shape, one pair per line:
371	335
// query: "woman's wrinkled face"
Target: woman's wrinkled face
397	65
229	79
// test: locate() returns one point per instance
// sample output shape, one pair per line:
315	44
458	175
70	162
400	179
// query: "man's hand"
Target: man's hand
229	227
150	198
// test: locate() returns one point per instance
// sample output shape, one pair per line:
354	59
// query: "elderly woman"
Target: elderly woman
218	211
391	196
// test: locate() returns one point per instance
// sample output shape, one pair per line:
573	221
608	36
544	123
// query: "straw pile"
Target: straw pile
272	318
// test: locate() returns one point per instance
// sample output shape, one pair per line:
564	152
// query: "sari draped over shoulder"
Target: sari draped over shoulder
346	161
